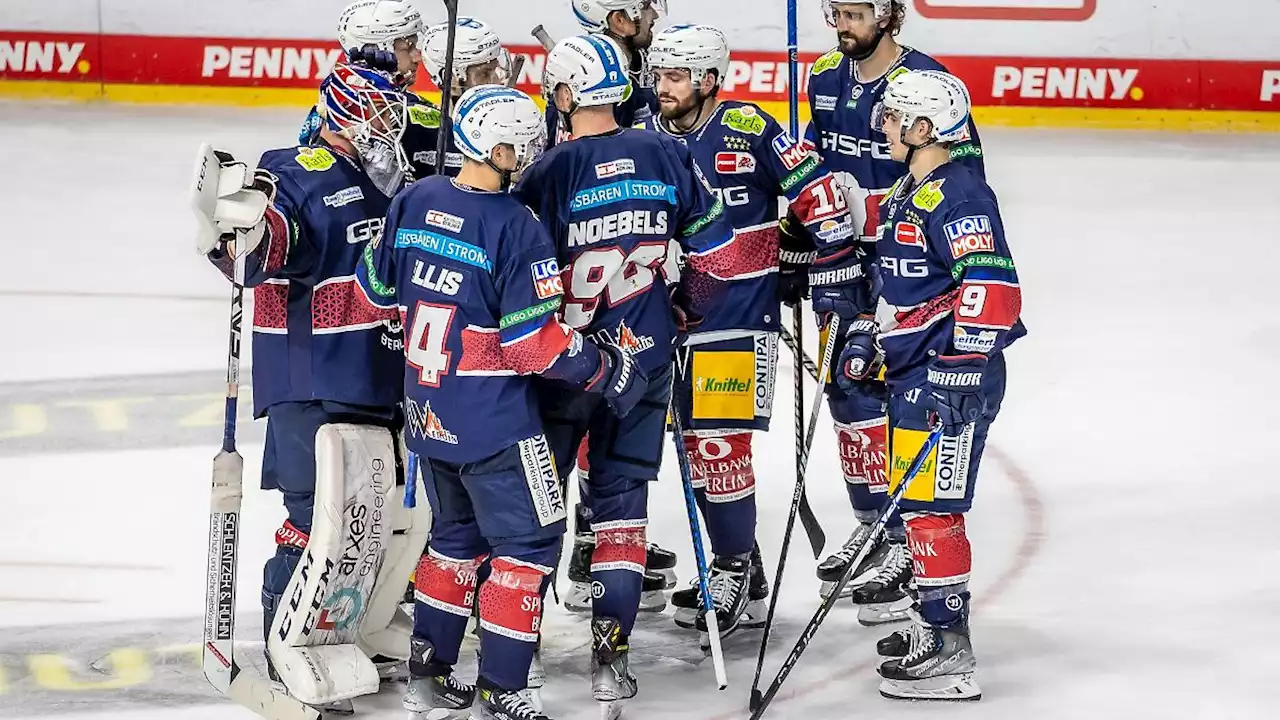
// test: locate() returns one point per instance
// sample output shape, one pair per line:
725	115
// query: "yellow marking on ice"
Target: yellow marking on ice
109	414
129	665
28	420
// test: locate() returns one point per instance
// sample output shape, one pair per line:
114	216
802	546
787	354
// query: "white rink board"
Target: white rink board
1223	29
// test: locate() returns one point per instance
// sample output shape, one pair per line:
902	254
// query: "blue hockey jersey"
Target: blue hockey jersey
476	279
613	203
842	107
751	161
314	335
949	278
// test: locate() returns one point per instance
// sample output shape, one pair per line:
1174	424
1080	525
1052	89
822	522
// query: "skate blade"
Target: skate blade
653	601
686	618
755	615
442	714
884	613
534	697
854	583
668	577
949	688
611	709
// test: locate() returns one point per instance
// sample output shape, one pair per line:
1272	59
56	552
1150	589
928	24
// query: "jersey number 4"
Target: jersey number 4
425	350
612	273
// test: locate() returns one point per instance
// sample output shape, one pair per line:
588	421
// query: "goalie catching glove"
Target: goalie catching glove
230	201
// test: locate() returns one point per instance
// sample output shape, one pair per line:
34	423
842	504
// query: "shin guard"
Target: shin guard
444	593
721	464
511	616
941	561
862	461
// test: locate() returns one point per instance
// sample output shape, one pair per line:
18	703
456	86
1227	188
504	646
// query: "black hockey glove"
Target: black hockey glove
620	380
796	252
860	356
955	384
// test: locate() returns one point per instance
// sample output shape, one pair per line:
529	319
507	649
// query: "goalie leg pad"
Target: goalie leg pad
312	643
721	462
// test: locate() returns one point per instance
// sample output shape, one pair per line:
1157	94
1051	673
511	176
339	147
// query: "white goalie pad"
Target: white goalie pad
312	642
387	628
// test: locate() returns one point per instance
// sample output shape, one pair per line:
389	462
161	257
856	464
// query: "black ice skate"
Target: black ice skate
832	569
688	602
730	595
498	704
578	599
884	598
939	665
661	562
898	643
442	697
611	678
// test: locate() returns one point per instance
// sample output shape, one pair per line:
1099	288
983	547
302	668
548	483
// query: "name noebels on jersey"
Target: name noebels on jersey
609	227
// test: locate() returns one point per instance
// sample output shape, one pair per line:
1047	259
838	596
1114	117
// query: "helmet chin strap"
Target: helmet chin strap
911	149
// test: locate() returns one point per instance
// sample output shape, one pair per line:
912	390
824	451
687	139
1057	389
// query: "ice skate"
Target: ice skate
729	585
496	704
537	678
832	569
578	598
688	602
884	598
611	680
939	665
659	561
441	697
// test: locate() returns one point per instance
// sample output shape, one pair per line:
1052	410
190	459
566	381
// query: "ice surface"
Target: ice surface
1125	562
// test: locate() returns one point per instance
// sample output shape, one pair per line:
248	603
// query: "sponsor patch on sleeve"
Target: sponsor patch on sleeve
546	279
970	235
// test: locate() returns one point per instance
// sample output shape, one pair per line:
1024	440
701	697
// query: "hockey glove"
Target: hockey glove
955	384
860	356
230	201
796	252
620	380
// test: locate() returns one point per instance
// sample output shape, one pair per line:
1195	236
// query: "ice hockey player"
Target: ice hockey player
724	382
615	200
325	375
630	24
949	280
386	35
477	279
845	86
478	59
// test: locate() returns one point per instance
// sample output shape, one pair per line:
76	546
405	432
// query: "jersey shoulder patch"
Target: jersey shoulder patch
744	119
827	62
315	159
427	116
929	196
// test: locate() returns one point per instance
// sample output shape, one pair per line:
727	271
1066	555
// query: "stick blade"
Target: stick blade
757	698
256	693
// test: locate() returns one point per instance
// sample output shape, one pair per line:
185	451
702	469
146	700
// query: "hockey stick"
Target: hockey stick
807	636
446	91
695	529
544	39
797	497
217	655
799	353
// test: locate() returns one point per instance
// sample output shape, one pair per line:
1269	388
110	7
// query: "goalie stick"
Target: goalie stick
218	660
761	703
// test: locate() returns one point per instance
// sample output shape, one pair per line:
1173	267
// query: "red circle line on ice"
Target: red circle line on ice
1028	547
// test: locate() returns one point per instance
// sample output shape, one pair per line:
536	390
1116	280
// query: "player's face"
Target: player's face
892	127
644	30
489	73
856	28
676	94
408	58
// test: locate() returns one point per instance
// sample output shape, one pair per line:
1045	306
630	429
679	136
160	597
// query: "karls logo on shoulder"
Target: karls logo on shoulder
444	220
970	235
792	153
735	163
364	231
546	279
614	168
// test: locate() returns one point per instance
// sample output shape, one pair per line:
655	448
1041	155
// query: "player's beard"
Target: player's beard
683	113
856	48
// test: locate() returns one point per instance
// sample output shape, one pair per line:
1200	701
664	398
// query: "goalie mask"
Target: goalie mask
476	45
365	107
369	32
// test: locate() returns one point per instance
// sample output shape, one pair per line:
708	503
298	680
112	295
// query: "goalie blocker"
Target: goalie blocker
341	605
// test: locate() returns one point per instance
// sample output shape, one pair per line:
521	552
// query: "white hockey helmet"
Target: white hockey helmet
696	48
491	115
883	8
939	97
475	44
379	23
593	15
591	67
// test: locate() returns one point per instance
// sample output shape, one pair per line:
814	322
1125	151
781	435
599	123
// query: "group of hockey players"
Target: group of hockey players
570	278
